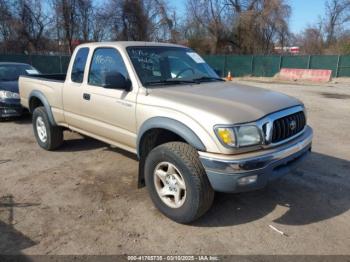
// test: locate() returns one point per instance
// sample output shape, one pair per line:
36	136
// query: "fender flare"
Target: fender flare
39	95
172	125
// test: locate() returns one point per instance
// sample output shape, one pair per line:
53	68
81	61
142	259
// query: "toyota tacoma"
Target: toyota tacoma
193	132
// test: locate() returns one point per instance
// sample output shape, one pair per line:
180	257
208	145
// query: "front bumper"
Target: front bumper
225	172
10	108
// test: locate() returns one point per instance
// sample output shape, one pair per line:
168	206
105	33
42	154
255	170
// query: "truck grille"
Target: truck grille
288	126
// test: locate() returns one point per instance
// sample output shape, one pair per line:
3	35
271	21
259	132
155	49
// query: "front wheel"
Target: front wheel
177	182
47	135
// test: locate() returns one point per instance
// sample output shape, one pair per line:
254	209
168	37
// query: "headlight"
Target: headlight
239	136
248	135
8	95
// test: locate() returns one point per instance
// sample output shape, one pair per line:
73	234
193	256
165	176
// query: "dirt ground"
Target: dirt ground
83	198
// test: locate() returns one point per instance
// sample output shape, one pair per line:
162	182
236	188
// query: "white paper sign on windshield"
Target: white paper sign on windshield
196	57
32	72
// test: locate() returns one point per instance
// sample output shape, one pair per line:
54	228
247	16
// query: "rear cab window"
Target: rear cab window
78	68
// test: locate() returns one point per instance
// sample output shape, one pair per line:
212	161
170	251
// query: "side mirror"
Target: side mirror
115	80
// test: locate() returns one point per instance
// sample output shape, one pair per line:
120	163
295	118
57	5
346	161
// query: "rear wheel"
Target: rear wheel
47	135
177	182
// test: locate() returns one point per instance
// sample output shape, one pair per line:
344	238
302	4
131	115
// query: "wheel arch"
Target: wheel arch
160	130
37	98
170	125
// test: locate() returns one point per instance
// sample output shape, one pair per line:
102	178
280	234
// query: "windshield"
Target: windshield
175	65
11	72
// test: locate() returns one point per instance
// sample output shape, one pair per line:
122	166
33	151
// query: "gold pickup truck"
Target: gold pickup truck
193	133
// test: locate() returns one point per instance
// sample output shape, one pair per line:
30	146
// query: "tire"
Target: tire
49	137
187	171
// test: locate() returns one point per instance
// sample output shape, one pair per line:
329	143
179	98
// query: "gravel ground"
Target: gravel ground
83	198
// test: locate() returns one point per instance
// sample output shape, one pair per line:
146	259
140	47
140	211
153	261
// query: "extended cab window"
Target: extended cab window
79	65
106	62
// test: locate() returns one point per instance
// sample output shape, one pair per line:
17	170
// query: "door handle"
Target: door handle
86	96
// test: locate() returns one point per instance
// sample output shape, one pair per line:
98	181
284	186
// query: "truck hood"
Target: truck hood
232	103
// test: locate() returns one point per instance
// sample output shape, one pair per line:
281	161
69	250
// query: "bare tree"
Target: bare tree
102	24
161	24
140	20
66	12
86	15
311	40
135	22
23	24
82	21
212	19
5	20
336	15
241	26
330	34
213	26
32	23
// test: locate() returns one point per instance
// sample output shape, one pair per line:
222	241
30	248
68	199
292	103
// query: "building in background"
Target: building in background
293	50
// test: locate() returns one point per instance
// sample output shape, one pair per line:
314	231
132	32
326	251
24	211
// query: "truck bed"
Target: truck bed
50	87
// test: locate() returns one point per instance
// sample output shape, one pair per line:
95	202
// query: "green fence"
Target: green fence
269	65
238	65
46	64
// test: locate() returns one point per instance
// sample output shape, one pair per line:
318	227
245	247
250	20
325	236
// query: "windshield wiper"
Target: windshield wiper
207	78
170	82
173	81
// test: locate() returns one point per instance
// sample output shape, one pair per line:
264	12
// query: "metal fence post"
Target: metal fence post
30	61
60	64
225	65
309	62
337	70
280	64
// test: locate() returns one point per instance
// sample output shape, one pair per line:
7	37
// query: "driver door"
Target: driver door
109	113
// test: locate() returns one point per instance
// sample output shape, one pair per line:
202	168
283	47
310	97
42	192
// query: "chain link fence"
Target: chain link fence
238	65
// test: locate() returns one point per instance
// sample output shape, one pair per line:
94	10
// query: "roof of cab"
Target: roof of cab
125	44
